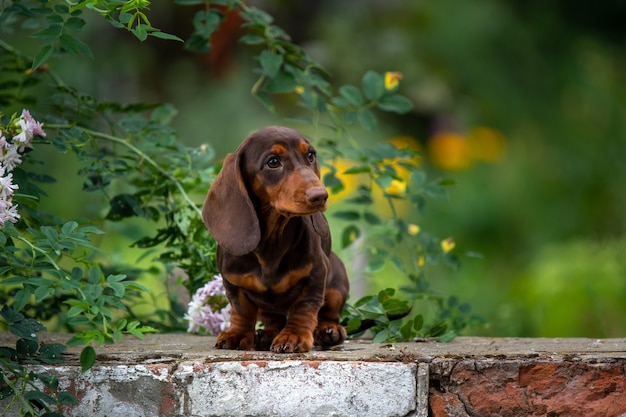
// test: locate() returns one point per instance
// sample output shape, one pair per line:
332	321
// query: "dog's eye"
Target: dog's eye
273	162
311	156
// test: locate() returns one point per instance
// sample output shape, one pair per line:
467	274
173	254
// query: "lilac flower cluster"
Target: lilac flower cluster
209	309
21	131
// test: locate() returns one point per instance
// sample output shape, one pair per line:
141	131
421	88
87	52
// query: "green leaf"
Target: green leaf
395	103
42	292
75	45
252	39
36	395
54	18
61	8
166	36
373	85
118	289
49	381
349	235
21	299
381	336
75	311
347	215
198	44
407	330
361	199
349	118
140	32
27	329
27	347
331	181
205	23
75	23
87	358
398	263
438	329
360	169
94	275
353	325
418	322
282	83
371	218
340	102
68	228
66	398
42	56
352	94
367	119
447	337
49	34
270	62
375	263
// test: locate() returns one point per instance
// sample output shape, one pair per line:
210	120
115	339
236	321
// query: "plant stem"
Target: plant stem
37	249
144	157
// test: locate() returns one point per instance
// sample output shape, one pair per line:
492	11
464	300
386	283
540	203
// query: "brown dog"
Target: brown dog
265	211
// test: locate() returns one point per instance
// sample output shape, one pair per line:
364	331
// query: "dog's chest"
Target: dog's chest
252	274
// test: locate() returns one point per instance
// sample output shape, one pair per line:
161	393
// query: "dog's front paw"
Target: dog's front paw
235	340
289	341
263	339
329	334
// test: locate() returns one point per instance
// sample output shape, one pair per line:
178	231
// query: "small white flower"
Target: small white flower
7	187
10	157
8	213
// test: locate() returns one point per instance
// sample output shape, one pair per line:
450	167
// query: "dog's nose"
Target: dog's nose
317	196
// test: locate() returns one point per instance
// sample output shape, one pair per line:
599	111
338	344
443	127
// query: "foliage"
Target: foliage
131	158
20	381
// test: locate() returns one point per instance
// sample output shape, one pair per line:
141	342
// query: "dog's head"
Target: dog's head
274	168
280	169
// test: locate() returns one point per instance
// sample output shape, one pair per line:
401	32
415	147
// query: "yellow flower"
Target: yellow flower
299	89
413	229
447	245
450	151
487	144
392	79
421	261
397	187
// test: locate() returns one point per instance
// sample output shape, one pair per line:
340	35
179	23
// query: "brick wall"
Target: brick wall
181	375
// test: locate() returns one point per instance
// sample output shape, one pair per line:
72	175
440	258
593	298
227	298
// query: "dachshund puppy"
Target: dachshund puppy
274	249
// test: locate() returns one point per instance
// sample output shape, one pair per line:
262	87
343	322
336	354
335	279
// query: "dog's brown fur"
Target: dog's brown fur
265	211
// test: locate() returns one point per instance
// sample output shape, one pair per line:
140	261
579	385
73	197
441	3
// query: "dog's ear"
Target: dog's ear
228	212
320	224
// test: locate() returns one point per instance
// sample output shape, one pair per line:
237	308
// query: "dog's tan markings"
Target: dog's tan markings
304	146
333	304
248	281
292	277
279	150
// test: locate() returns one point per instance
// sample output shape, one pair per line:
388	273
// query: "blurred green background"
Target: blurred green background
520	102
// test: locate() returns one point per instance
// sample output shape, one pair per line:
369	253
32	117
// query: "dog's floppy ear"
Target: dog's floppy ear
320	224
228	212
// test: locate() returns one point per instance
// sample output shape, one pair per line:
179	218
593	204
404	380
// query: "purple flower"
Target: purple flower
209	309
29	128
21	132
